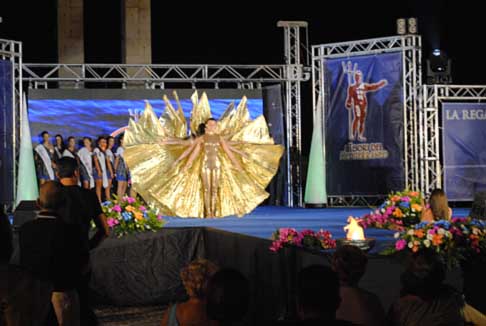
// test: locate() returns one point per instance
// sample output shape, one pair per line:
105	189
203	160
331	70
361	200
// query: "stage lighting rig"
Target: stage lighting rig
438	68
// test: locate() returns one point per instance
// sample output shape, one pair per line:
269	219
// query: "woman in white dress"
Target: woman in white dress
85	155
110	160
44	158
102	170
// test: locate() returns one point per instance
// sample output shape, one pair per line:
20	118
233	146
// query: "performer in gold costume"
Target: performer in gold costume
222	172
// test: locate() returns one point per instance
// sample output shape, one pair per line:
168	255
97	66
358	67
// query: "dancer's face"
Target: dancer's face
111	142
72	142
211	126
58	141
45	138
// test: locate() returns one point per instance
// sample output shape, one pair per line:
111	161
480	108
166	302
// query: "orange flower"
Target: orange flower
417	207
437	239
395	198
419	233
138	215
398	212
130	208
415	248
413	194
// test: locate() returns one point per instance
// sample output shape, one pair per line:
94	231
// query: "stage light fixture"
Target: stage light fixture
401	26
412	25
438	68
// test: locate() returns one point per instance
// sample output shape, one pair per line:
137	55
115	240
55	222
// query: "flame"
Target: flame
353	230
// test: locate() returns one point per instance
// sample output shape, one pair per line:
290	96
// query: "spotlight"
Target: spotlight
401	26
412	25
438	68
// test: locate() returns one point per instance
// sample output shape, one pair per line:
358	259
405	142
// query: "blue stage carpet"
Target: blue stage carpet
264	220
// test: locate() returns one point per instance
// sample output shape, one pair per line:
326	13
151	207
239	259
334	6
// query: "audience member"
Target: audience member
439	208
195	277
426	300
228	296
50	249
357	305
81	208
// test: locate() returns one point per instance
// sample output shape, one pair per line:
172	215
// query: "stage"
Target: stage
264	220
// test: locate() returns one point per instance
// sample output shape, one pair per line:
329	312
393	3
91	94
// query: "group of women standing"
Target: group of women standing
100	166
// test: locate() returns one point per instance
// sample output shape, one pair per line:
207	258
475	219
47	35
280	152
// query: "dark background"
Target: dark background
245	32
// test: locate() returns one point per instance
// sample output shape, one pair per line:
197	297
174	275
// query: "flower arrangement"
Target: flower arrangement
456	240
129	215
309	239
399	211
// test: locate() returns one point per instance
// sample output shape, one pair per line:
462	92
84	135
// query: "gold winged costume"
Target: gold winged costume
223	172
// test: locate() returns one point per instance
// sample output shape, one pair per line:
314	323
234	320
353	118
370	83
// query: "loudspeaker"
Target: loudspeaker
25	211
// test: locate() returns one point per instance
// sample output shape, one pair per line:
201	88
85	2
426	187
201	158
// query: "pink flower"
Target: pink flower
130	200
400	244
142	208
389	210
405	199
276	246
159	217
112	222
117	209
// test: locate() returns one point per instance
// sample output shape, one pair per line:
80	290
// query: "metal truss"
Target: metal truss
41	73
409	46
294	50
12	51
345	201
430	151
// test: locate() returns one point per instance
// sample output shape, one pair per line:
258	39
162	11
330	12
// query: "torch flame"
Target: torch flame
353	230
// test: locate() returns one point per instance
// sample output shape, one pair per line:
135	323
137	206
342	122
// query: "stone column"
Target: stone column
70	32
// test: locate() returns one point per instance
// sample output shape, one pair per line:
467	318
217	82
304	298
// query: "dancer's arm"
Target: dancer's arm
193	156
108	163
97	164
227	149
187	152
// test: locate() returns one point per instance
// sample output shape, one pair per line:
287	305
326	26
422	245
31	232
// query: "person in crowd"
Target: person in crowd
194	277
59	146
24	300
85	155
357	305
81	208
438	207
70	150
110	161
101	169
228	297
426	300
50	249
44	154
121	169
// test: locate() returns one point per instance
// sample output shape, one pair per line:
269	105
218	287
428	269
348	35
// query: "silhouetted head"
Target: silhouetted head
349	262
439	204
51	197
228	296
195	277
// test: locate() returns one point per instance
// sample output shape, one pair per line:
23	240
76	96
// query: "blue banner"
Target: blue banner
464	149
364	125
6	150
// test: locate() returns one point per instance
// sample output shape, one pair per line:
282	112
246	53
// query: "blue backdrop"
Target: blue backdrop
371	163
92	118
6	150
464	149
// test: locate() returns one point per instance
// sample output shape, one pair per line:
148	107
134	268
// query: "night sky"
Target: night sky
245	32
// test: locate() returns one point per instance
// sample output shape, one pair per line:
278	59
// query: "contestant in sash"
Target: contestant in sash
44	158
70	150
122	174
59	147
85	155
102	170
110	160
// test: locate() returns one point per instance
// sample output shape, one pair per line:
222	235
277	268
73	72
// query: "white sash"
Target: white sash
46	159
102	161
67	153
86	159
110	156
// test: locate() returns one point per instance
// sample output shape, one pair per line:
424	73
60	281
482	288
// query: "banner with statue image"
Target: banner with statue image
364	125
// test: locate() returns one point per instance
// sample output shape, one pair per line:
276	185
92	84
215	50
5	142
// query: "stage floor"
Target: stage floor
264	220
